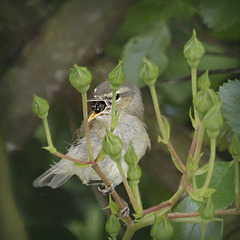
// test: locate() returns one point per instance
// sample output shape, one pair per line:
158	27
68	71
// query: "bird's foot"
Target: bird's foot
107	190
125	211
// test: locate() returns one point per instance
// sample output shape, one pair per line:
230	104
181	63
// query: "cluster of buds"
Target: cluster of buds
134	171
207	105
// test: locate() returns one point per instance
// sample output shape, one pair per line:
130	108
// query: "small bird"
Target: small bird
130	127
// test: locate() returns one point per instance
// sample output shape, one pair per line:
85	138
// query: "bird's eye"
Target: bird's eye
117	96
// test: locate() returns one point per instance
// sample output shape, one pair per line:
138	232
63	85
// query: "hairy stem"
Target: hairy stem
47	132
199	142
61	155
162	128
136	193
113	110
86	127
127	187
203	231
211	163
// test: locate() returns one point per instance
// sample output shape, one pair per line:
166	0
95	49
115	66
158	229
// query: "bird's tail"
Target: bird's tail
51	179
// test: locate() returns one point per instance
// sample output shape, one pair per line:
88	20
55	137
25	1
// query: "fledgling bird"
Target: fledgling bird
130	127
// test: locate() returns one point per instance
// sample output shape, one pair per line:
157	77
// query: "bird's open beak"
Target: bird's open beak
97	108
93	115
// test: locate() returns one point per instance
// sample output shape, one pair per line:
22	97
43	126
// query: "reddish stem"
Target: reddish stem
58	154
158	207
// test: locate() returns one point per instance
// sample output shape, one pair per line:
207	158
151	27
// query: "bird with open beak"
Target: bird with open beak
130	128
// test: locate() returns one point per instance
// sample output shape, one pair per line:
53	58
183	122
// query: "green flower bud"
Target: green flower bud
207	210
203	81
204	100
213	121
149	71
134	173
193	50
234	147
162	229
116	77
80	78
192	166
112	146
131	156
113	226
40	106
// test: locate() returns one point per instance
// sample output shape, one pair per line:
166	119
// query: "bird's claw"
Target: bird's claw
107	190
124	212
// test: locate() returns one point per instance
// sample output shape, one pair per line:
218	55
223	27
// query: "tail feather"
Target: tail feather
51	179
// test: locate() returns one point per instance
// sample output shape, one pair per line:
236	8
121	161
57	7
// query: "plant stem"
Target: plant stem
237	196
162	128
60	155
181	190
193	145
86	127
115	195
232	211
194	89
137	196
171	202
211	163
144	222
127	187
204	225
199	142
157	207
157	112
47	132
194	80
113	110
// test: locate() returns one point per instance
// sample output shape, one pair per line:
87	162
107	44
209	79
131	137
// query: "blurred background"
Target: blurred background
40	41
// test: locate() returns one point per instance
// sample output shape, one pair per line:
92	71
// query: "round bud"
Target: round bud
193	50
116	77
134	173
131	156
234	147
213	121
113	226
40	106
149	71
207	210
80	78
162	229
112	146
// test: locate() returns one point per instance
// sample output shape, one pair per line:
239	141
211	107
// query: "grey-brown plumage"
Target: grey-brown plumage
130	128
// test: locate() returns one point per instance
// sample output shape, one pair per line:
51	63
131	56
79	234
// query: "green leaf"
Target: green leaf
223	182
191	231
151	44
229	94
220	15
